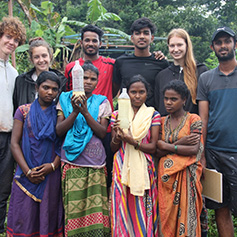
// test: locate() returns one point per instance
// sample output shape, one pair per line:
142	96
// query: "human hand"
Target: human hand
161	145
118	131
128	137
34	177
43	169
82	104
159	55
75	104
189	140
79	104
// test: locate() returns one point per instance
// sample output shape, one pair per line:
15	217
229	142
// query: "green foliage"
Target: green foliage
76	11
130	10
52	27
23	62
97	13
4	9
212	61
199	17
212	231
194	20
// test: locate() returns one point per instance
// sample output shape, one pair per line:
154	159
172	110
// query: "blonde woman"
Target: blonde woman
184	67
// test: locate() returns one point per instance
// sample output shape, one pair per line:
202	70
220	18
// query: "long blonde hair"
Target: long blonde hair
189	68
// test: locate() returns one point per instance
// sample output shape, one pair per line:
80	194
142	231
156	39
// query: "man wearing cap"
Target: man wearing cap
217	96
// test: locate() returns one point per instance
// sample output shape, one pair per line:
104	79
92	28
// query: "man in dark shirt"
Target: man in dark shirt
141	62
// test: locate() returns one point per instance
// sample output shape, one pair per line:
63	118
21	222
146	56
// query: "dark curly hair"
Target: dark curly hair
142	23
92	28
178	86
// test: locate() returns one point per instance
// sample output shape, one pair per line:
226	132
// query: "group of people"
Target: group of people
73	156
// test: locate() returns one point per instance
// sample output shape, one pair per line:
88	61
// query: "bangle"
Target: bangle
53	167
175	148
137	145
115	143
28	173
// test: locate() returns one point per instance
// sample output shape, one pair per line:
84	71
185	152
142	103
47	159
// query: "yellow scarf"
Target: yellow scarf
134	172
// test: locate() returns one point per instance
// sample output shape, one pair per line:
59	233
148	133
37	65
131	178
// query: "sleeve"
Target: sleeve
201	69
202	93
196	124
165	63
157	91
59	109
105	109
19	114
15	101
66	71
156	119
113	117
117	79
68	75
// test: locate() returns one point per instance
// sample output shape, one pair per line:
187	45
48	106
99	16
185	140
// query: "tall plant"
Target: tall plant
98	15
46	23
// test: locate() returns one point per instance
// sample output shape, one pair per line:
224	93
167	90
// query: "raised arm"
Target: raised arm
63	125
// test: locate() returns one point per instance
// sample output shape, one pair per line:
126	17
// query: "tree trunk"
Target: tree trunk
30	14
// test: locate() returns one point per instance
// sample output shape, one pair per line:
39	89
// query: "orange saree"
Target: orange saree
179	186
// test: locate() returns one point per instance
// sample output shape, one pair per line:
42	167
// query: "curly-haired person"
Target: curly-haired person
12	34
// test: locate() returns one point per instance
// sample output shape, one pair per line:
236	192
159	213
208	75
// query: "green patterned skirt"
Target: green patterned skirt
85	201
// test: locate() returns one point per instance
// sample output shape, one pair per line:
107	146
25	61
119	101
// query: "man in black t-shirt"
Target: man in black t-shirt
141	62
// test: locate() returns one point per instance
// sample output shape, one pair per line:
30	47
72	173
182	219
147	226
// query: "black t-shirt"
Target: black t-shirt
127	66
163	78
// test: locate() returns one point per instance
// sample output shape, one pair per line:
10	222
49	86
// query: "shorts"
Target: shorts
225	163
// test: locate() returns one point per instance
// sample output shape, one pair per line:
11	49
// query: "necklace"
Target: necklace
181	121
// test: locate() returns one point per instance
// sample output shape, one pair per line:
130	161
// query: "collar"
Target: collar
3	62
222	74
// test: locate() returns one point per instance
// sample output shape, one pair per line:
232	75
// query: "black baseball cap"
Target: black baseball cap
224	29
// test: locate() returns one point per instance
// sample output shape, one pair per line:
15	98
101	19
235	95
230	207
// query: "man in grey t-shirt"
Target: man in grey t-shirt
217	96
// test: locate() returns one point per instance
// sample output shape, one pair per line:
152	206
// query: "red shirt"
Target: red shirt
104	86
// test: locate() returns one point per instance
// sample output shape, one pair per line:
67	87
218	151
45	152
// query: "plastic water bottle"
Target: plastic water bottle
78	79
124	106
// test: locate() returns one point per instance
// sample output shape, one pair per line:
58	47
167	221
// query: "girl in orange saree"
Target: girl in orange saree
179	169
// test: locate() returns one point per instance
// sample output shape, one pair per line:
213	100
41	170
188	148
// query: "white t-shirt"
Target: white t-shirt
8	76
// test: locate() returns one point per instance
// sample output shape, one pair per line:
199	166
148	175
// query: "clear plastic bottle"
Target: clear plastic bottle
124	106
78	79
